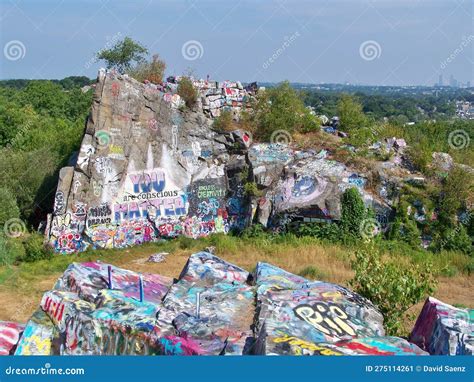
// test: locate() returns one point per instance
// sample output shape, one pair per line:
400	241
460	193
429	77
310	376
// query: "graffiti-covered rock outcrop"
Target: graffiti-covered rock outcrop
97	308
442	329
149	168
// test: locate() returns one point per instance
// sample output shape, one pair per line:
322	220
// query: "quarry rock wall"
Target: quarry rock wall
150	168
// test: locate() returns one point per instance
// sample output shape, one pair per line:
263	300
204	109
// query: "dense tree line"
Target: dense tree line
397	108
41	125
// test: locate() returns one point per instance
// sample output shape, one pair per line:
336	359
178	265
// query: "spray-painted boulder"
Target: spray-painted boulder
39	337
289	345
97	308
212	304
317	312
10	333
88	279
442	329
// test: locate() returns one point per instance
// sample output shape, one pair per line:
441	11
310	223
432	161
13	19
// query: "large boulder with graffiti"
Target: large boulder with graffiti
442	329
149	168
99	309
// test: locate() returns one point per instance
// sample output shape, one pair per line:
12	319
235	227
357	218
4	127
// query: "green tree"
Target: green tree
350	113
123	55
281	109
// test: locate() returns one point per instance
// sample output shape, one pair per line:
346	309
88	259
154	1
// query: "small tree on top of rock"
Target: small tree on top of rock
123	55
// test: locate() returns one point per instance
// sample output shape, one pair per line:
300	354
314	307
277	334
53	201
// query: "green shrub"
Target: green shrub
8	206
254	231
392	286
35	249
281	110
224	121
457	240
251	189
405	230
11	250
323	231
152	71
187	91
353	211
351	115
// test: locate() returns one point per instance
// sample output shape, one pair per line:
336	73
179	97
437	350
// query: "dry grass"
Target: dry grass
21	293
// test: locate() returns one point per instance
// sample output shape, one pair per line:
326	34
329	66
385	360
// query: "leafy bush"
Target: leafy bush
187	91
8	206
152	71
34	249
391	285
254	231
457	240
353	211
251	189
11	250
282	109
224	121
323	231
350	113
456	189
404	228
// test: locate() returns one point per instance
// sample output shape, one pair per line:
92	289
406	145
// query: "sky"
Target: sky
384	42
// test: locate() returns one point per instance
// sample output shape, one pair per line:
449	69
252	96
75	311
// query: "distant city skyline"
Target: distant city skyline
452	82
365	42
